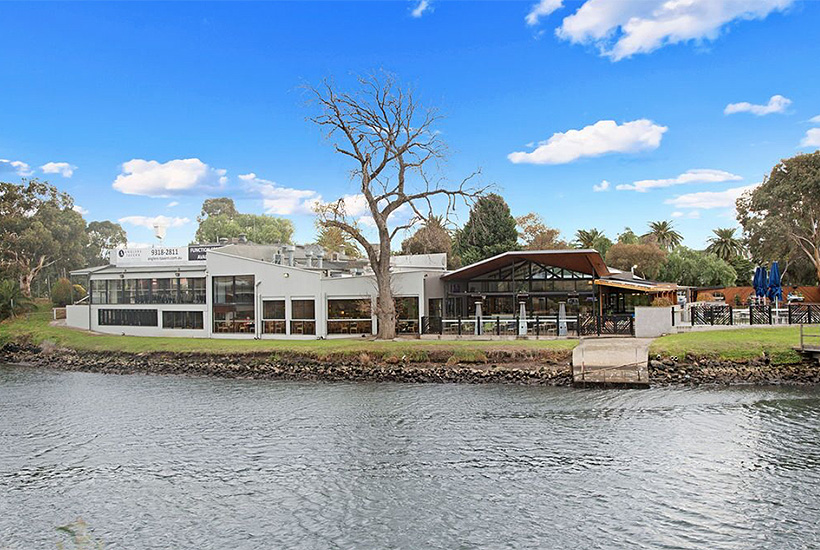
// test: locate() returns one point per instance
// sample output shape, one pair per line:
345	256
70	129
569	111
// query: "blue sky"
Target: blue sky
145	109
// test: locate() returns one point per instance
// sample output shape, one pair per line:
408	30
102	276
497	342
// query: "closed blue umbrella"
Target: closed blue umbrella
775	291
760	282
756	280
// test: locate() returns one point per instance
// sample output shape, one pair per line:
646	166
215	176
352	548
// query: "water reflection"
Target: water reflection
158	462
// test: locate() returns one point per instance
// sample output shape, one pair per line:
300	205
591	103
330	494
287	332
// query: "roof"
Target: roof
115	270
583	261
641	285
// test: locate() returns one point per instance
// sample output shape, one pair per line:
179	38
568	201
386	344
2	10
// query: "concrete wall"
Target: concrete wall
77	316
652	321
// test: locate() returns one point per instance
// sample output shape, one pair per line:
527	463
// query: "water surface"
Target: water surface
173	462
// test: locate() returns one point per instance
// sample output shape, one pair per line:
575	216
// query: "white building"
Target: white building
245	290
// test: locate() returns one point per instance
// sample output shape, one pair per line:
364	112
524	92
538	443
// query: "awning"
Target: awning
649	287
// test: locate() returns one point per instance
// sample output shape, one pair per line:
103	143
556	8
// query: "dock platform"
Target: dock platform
611	362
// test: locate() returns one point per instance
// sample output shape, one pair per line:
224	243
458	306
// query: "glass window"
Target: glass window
115	291
407	315
163	291
434	307
143	291
244	289
127	317
349	316
302	309
303	317
349	309
273	317
99	294
223	290
273	309
182	320
192	290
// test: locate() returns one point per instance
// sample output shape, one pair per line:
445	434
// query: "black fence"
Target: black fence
792	314
601	325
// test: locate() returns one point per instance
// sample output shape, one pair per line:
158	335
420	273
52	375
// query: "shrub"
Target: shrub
662	301
61	292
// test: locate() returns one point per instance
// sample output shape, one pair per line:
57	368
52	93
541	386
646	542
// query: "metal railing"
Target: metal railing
812	337
496	326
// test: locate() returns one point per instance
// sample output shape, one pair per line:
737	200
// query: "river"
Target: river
175	462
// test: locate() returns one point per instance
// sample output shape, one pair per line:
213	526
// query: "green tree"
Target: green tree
724	244
744	269
627	236
694	268
781	216
490	230
62	292
664	234
536	235
592	239
648	258
222	206
334	239
219	219
103	237
431	238
38	229
12	300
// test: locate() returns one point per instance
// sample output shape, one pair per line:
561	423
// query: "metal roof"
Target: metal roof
583	261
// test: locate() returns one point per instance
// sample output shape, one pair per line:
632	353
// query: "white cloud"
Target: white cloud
710	199
603	186
812	138
172	204
155	179
79	209
17	166
815	120
697	175
694	214
605	136
776	104
63	168
542	9
421	7
283	201
620	29
146	221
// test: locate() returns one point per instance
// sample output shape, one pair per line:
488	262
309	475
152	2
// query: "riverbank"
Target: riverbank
747	356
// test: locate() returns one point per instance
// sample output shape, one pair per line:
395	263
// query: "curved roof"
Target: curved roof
583	261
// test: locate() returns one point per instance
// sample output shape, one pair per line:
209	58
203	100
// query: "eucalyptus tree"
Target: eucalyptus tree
393	146
781	216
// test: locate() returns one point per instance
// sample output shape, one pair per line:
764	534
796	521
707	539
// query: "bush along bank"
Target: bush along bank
692	371
542	367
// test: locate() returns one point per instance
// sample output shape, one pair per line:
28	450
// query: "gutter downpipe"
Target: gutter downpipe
258	314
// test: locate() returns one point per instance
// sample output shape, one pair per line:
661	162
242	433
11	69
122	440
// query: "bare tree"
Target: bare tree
391	140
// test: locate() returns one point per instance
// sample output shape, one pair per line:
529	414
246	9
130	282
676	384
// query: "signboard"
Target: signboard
161	255
196	253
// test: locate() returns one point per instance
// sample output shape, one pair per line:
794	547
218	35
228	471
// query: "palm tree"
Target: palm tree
12	300
586	238
592	238
664	233
724	244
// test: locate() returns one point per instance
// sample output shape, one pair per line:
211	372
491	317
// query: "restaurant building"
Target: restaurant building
244	290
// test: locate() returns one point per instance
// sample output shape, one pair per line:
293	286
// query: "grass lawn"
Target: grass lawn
736	345
35	326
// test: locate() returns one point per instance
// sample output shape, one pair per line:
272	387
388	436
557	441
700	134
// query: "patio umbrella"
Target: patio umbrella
758	282
775	291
